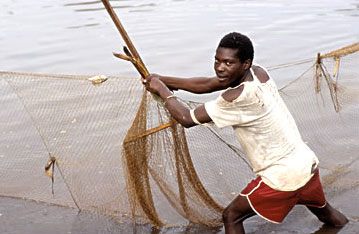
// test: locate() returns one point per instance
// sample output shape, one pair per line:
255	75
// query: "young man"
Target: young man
287	168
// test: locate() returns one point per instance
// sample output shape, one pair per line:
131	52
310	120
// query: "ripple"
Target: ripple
85	6
114	7
82	3
83	26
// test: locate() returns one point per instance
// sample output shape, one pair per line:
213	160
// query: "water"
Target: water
174	37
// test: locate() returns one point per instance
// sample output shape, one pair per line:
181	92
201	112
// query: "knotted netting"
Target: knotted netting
324	100
109	148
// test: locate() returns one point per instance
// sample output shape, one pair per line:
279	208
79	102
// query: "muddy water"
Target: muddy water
174	37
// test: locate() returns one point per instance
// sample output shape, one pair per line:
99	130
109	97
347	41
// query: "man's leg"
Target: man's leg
235	214
329	215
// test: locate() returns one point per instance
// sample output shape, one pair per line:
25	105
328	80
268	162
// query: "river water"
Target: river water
174	37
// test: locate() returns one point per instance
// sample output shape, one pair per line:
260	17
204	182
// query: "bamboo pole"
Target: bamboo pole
136	59
132	55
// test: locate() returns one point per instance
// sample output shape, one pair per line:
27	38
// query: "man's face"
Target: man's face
229	69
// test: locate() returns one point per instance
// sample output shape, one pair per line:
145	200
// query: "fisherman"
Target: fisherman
286	167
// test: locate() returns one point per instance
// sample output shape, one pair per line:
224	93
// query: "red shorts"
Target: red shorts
274	205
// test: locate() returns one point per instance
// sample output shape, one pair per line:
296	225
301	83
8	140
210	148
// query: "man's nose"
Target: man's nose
220	67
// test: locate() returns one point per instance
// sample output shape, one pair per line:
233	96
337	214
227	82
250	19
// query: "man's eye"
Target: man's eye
216	61
229	63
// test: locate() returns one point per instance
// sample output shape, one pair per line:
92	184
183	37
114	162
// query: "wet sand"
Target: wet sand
19	216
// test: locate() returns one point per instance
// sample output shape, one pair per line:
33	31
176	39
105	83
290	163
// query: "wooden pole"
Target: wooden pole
137	61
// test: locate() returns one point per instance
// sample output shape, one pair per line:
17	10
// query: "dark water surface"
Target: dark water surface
174	37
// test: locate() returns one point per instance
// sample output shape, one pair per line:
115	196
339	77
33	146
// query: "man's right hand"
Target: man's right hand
149	78
153	84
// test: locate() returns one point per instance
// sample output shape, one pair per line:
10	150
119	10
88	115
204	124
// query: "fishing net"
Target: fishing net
109	148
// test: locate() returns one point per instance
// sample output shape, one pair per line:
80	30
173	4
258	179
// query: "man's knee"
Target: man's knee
329	215
237	212
228	215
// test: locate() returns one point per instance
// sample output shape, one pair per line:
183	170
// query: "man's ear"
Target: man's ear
247	64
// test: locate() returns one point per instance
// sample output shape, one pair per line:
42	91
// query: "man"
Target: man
287	168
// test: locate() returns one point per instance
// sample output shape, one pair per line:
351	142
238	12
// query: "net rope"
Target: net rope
109	148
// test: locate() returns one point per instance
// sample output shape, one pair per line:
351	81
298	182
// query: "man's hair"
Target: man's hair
235	40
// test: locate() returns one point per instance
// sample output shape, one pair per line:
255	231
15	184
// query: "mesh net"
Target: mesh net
110	148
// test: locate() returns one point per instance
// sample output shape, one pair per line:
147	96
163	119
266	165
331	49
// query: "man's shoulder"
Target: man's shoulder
232	94
261	73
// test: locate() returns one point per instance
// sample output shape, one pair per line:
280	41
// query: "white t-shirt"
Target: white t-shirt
267	133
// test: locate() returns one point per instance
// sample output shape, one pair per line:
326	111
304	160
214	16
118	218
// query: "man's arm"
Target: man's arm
178	111
194	85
